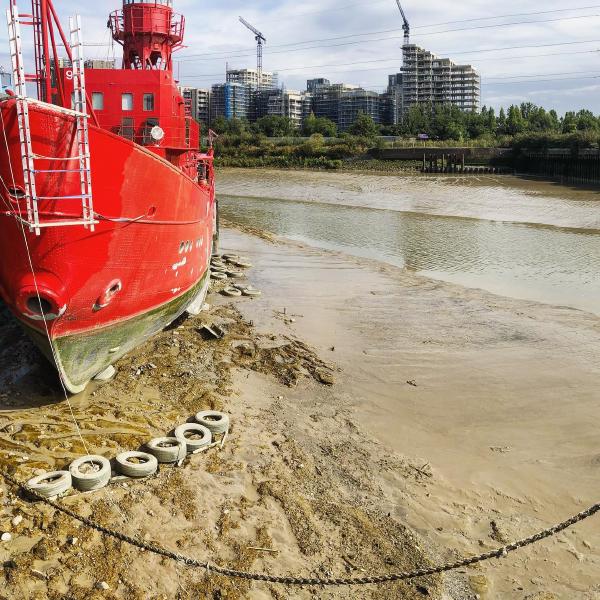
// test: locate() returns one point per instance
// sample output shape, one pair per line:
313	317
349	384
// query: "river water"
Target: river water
520	238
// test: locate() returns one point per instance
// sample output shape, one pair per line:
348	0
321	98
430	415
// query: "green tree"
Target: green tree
501	121
569	122
586	121
320	125
364	126
448	122
515	123
220	125
418	120
275	126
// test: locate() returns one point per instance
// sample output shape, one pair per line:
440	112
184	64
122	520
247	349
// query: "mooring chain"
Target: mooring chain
307	581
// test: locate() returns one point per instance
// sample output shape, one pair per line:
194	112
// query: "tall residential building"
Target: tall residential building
427	78
342	102
100	64
313	84
198	101
250	77
230	100
390	111
394	97
292	105
354	102
326	99
5	79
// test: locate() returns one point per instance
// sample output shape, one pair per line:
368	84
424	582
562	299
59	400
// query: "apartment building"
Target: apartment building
354	102
295	106
250	77
327	97
230	100
5	79
198	101
426	78
100	64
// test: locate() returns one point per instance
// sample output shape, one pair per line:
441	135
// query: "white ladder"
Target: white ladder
80	106
28	156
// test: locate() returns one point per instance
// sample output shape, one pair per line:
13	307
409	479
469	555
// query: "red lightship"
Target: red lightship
107	211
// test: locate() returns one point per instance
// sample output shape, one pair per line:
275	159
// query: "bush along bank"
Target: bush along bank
256	150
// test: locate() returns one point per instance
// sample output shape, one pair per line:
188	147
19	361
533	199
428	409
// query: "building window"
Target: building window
148	102
97	101
127	102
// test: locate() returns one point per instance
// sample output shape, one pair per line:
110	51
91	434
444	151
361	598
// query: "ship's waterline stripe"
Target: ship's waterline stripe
81	356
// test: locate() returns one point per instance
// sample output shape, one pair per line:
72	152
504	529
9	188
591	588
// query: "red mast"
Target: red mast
149	32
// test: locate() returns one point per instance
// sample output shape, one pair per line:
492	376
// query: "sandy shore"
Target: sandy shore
494	438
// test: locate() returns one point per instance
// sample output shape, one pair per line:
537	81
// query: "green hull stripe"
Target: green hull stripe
83	355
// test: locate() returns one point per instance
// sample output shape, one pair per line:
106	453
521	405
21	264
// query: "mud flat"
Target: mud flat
457	421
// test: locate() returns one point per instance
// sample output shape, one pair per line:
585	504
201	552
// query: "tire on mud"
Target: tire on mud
231	292
203	434
147	465
168	450
216	422
51	484
88	480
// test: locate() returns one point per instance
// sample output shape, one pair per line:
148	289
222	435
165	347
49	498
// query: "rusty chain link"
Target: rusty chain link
307	581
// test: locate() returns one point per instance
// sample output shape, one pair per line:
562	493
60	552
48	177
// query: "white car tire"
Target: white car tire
137	464
195	436
217	422
94	477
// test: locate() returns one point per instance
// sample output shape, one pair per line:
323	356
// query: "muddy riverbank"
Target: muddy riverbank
457	420
293	491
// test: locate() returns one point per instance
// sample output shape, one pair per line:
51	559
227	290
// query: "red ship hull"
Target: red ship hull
103	291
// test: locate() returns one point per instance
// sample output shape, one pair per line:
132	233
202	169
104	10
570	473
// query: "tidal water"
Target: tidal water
530	240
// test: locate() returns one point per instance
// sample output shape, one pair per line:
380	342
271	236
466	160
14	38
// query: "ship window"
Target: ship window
127	102
97	100
148	101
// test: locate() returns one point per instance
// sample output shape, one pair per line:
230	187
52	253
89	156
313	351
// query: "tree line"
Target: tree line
449	122
278	126
437	122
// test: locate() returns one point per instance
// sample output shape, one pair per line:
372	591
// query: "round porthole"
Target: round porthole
16	192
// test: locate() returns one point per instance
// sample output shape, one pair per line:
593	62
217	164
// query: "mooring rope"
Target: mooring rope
307	581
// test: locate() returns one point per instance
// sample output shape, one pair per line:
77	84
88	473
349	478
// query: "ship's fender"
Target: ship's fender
41	297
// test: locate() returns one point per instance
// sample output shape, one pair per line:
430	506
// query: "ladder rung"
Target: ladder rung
81	197
80	157
58	170
44	224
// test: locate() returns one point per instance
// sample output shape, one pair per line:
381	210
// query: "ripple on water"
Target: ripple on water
535	262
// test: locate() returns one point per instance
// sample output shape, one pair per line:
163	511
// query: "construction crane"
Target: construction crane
260	38
405	26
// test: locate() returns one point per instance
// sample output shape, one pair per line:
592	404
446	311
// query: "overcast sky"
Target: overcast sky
519	56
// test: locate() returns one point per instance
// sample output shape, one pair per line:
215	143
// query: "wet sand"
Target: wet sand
494	438
504	413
